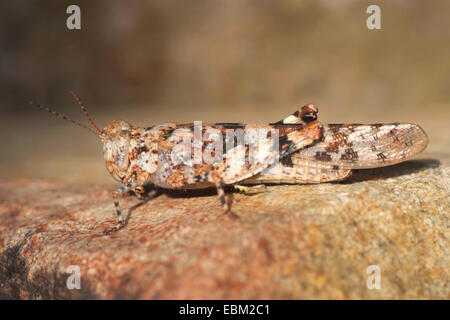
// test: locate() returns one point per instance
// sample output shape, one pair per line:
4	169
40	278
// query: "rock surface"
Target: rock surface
291	242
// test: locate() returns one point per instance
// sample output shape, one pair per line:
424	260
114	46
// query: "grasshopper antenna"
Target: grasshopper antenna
60	115
83	107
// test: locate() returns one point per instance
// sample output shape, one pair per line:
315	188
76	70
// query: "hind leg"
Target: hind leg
285	174
306	114
247	189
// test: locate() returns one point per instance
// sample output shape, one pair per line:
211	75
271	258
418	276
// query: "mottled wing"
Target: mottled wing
359	146
291	138
181	171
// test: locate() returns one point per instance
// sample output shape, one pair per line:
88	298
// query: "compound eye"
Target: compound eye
124	134
113	129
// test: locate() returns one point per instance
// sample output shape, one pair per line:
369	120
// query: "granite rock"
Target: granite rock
290	242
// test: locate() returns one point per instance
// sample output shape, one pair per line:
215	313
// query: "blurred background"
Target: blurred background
250	61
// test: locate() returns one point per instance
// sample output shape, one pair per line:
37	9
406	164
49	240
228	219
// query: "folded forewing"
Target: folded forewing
359	146
229	152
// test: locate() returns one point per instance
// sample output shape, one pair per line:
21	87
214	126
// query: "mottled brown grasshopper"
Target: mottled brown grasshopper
295	150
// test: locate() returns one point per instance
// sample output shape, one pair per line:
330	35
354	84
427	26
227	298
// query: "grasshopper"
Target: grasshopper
294	150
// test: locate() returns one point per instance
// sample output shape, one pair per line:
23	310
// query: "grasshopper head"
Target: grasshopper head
116	138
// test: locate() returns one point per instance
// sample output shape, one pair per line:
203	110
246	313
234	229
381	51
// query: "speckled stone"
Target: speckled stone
291	242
